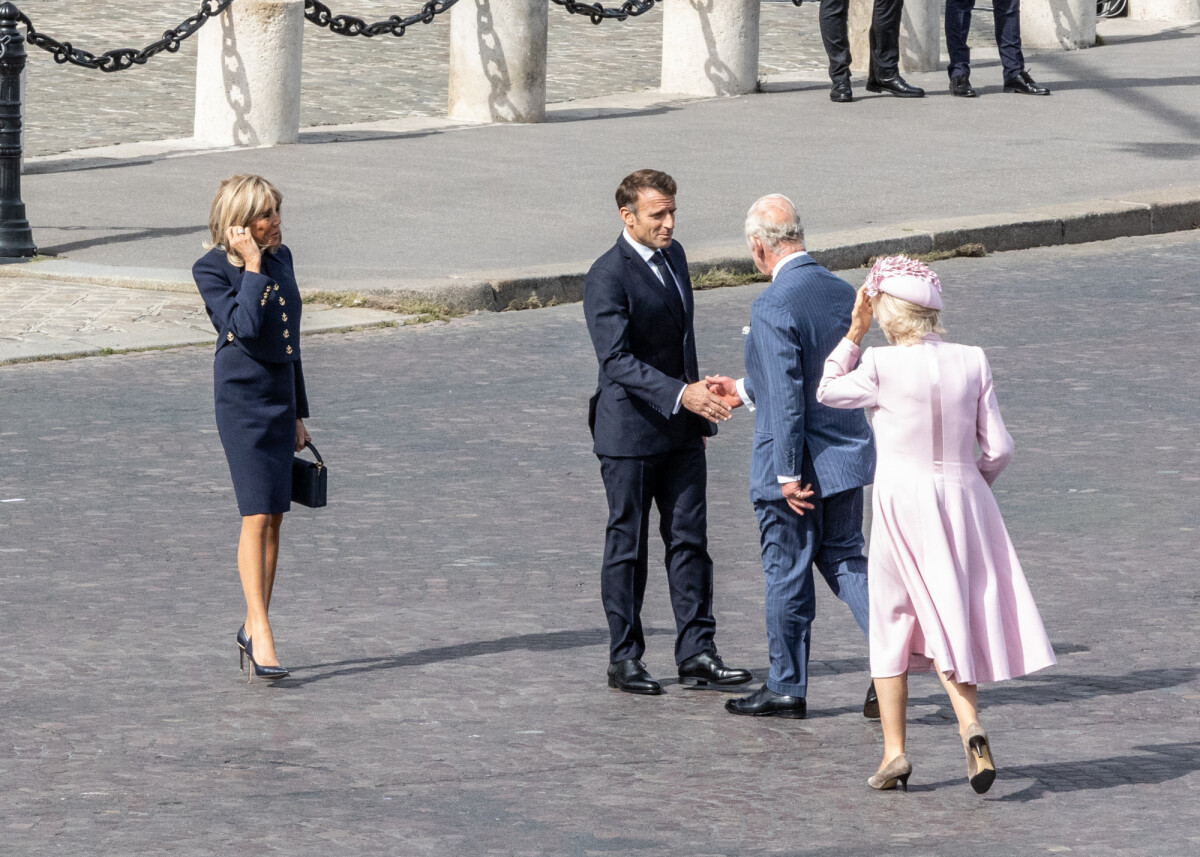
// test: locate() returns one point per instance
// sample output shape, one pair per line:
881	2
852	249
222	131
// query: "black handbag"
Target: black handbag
309	480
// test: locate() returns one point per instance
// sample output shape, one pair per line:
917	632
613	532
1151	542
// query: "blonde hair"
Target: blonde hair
240	200
904	322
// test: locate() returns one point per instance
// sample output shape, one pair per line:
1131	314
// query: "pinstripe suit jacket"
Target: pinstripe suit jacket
794	325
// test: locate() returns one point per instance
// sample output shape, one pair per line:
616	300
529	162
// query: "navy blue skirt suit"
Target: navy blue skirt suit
258	379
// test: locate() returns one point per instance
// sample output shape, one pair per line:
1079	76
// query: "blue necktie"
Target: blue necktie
659	261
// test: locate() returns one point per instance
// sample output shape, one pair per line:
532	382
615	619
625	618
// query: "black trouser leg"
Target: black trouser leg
836	36
885	38
1007	17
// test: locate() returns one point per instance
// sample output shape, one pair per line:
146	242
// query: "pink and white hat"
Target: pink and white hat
905	278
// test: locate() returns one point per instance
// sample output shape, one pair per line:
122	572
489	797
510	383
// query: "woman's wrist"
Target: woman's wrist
855	335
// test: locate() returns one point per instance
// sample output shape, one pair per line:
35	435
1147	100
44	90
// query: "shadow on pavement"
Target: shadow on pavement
1054	688
134	235
547	642
1160	764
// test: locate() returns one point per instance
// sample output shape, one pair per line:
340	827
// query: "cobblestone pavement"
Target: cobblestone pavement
442	615
345	79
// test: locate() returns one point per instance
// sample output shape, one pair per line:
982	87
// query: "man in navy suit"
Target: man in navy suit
649	418
810	462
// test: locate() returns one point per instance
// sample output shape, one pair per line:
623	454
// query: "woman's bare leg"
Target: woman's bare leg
964	699
252	566
271	558
893	714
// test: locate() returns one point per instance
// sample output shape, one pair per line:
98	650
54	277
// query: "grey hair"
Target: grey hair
774	221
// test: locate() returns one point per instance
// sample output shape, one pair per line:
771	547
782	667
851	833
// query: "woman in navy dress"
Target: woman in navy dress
250	292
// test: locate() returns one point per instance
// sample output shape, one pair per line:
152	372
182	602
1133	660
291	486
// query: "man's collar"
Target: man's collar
643	251
790	257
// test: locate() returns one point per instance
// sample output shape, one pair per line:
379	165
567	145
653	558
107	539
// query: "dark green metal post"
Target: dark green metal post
16	238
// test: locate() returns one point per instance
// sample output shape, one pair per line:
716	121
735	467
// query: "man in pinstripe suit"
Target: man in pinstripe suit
810	463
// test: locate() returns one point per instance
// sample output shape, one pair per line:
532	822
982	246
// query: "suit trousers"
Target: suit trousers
829	535
884	37
675	482
1007	17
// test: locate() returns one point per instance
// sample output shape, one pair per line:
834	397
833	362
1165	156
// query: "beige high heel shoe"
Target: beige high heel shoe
981	770
897	771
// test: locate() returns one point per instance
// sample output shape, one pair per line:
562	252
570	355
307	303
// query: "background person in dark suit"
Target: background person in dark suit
1007	16
810	462
884	69
250	293
649	418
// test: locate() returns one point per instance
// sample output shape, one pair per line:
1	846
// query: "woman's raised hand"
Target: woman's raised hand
860	317
240	241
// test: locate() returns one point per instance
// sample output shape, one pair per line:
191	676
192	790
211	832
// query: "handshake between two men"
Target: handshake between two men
715	398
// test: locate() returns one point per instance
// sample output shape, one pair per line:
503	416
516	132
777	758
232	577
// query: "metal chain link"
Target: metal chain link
597	13
123	58
347	25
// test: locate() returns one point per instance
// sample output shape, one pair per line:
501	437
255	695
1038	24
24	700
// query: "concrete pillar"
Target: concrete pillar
920	35
1164	10
498	60
248	74
710	47
1066	24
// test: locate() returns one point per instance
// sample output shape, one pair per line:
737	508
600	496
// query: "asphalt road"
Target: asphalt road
442	615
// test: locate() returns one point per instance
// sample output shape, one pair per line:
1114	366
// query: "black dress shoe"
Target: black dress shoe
708	668
871	704
630	676
841	92
765	702
960	85
895	85
1025	85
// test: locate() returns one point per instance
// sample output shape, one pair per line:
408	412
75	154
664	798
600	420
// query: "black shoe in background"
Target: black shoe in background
1024	84
708	668
841	92
895	85
960	85
871	704
630	676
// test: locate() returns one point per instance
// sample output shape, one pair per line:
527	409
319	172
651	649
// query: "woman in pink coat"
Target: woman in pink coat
946	590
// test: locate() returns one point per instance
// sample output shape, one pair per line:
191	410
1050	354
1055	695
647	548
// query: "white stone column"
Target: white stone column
1066	24
920	35
248	74
710	47
498	60
1164	10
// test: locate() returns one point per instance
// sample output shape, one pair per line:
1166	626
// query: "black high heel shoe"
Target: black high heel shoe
981	770
242	640
262	672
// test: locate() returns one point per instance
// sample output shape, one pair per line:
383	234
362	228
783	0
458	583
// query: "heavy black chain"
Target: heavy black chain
123	58
598	13
347	25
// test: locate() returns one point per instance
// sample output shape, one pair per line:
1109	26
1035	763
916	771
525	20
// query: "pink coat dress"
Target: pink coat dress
944	580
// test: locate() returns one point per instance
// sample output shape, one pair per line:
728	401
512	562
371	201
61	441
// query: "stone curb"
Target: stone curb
1141	213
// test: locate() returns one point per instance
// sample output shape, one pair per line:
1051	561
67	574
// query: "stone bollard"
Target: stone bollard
1066	24
248	67
710	47
920	35
498	60
1164	10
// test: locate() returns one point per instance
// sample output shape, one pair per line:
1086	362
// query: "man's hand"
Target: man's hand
797	497
724	387
698	399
